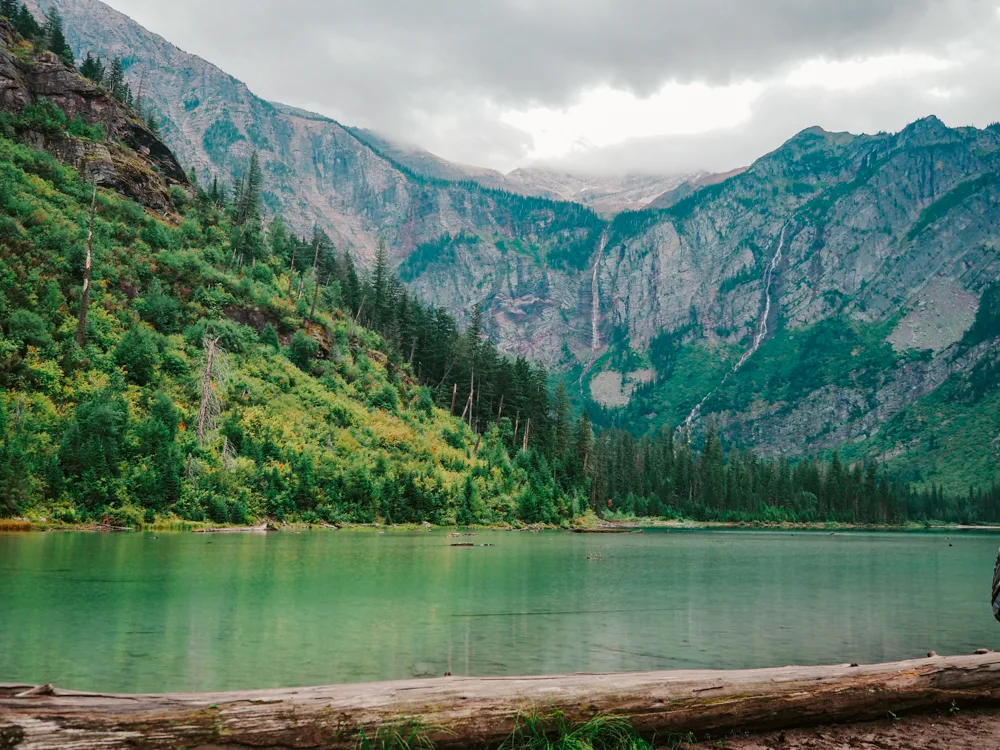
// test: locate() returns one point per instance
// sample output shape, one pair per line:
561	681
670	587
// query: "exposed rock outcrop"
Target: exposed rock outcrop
131	160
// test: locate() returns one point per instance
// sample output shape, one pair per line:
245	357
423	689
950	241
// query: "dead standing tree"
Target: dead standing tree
212	380
81	325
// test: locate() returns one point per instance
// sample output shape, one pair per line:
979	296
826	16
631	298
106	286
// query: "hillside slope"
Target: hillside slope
196	386
888	244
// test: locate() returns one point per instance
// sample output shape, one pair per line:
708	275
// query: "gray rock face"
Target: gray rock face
133	161
898	231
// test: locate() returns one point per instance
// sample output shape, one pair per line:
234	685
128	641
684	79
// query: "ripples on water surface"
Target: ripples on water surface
216	612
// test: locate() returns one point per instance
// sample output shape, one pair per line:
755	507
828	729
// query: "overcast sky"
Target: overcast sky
603	85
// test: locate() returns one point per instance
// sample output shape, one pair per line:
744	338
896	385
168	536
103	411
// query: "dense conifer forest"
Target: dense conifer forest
212	365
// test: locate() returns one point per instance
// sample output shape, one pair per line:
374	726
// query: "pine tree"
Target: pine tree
9	9
380	286
114	80
56	38
26	25
92	69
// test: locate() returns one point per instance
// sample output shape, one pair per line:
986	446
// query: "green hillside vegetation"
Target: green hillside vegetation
209	365
315	418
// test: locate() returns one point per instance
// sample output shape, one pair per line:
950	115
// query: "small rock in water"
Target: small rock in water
982	651
854	664
931	654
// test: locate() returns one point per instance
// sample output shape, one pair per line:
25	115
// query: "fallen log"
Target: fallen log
260	529
603	530
465	712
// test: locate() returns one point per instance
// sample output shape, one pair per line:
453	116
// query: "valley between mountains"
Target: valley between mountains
862	272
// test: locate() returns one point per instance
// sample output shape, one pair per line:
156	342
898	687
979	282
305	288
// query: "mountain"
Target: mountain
516	257
195	387
852	266
676	194
607	195
425	164
859	264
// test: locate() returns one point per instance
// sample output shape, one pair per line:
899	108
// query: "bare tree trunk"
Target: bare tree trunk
312	310
500	410
81	325
468	402
291	270
454	395
527	431
206	389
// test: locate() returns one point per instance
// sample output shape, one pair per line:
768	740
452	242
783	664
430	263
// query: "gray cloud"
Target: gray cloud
438	72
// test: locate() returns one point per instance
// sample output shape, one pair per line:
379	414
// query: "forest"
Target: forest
211	365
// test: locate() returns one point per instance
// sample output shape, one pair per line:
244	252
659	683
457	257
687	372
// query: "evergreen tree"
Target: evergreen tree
114	80
27	26
92	69
55	38
9	9
380	287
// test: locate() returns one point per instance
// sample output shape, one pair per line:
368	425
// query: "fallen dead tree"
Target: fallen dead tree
465	712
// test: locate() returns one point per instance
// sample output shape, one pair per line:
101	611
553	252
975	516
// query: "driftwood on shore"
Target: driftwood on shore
465	712
260	529
604	530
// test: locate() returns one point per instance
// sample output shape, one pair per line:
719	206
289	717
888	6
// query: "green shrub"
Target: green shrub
262	274
127	516
238	513
139	353
218	511
269	337
25	328
384	398
158	309
303	350
42	117
425	401
80	128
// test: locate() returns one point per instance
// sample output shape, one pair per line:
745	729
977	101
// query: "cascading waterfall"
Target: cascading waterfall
761	334
595	315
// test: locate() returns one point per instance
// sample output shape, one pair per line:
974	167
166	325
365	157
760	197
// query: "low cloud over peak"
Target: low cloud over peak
620	86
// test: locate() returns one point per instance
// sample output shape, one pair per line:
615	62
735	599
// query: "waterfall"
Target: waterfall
761	334
595	315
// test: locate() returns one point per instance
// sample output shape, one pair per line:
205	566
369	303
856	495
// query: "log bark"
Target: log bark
481	712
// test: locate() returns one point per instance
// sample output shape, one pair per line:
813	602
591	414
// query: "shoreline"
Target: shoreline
459	712
22	525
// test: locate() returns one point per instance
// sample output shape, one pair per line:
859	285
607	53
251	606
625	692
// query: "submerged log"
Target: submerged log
466	712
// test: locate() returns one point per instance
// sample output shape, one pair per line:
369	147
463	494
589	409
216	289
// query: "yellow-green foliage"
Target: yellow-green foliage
109	429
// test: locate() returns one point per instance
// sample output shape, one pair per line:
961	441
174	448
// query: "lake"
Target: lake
186	612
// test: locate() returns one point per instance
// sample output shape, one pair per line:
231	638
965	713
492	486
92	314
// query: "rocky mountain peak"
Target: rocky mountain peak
926	132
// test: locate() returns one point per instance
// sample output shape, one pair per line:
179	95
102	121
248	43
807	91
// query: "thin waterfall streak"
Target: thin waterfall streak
595	315
761	334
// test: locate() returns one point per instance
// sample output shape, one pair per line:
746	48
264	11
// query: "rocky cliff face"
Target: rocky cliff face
887	243
130	159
